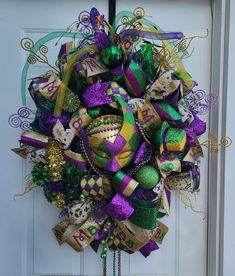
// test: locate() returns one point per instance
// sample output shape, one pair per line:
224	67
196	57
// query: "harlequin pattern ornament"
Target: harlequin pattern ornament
115	132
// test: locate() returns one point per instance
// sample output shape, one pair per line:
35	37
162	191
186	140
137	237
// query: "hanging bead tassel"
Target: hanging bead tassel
105	266
114	263
119	263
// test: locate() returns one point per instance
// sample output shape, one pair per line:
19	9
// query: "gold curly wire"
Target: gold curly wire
27	44
137	25
184	197
31	59
212	146
124	19
29	186
139	12
183	45
57	63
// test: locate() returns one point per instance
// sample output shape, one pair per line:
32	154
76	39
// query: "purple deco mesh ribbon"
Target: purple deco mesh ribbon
119	208
95	95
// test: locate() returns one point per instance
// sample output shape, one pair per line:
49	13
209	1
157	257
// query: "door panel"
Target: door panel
35	249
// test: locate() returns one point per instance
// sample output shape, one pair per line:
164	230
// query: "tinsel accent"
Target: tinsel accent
40	175
71	102
54	160
72	174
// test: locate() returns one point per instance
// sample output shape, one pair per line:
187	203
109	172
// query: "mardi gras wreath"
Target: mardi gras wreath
115	130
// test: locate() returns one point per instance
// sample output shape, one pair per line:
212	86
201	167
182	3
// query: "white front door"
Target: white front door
27	244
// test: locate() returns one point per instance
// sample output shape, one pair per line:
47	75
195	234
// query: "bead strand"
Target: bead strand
119	263
114	263
140	126
104	266
133	171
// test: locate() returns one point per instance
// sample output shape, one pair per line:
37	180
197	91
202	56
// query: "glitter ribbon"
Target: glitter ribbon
166	112
145	214
75	158
152	35
172	139
119	208
34	138
95	95
135	80
123	183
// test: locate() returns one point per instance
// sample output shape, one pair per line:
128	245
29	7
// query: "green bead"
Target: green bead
112	56
103	255
147	177
111	237
103	242
106	229
164	168
82	198
167	167
105	249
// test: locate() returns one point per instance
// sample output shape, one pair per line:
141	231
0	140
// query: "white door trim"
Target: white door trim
219	81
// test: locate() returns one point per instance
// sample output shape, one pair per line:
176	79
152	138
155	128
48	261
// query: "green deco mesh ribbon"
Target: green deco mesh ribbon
145	214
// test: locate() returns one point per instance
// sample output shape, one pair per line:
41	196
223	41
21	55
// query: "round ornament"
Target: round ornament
112	56
147	176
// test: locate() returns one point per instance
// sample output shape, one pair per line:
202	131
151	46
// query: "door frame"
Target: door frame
217	126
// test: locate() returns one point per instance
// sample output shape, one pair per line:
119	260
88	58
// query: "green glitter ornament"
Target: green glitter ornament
147	176
71	102
112	56
40	175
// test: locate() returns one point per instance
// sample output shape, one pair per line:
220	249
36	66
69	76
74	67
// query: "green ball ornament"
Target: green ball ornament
147	177
112	56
